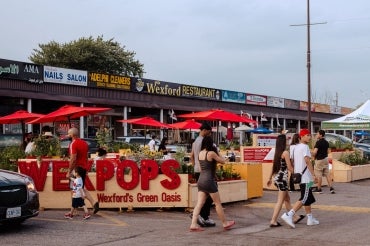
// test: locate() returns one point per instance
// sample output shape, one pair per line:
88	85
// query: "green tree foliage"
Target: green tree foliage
96	55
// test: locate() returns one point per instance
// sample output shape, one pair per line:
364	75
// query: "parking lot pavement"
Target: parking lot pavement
344	219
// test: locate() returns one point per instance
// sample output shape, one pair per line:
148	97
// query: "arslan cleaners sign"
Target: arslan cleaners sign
149	186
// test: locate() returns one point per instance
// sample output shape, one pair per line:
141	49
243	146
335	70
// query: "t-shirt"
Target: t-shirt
80	148
322	149
196	148
151	145
300	152
77	187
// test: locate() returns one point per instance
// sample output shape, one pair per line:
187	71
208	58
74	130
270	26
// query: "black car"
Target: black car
92	143
19	199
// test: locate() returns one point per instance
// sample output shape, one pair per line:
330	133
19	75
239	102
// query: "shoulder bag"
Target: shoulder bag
298	176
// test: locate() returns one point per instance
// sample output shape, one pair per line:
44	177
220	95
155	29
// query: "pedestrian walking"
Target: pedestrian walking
203	218
295	140
78	194
279	175
78	151
207	184
321	167
303	165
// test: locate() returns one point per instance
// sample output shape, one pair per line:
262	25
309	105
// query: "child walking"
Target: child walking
78	194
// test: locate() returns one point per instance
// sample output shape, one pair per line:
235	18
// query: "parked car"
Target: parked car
172	148
333	138
7	140
92	143
137	140
360	145
19	199
364	145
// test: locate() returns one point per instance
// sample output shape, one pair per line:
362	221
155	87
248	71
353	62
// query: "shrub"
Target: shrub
9	157
354	158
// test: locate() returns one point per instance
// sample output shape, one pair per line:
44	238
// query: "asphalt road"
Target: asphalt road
344	220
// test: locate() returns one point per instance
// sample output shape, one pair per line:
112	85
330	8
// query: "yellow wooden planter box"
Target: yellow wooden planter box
252	173
230	191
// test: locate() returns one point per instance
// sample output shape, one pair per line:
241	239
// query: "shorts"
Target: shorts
78	202
307	197
321	168
281	185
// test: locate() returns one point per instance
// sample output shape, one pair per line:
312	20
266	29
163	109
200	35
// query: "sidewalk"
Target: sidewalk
344	219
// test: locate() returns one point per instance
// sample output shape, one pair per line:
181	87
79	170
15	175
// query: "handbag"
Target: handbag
298	176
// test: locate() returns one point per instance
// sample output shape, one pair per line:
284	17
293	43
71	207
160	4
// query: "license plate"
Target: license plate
13	212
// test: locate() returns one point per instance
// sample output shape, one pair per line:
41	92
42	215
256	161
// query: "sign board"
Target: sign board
257	154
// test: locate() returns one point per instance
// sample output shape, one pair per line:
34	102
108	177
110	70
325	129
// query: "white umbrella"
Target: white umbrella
243	128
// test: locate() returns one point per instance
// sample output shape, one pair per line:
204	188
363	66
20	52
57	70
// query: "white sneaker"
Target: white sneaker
288	220
312	221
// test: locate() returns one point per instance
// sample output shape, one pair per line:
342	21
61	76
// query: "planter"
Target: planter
252	173
230	191
345	173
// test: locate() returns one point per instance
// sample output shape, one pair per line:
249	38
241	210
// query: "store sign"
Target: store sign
172	89
65	76
233	96
109	81
21	70
256	99
147	187
276	102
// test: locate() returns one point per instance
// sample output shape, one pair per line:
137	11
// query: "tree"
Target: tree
96	55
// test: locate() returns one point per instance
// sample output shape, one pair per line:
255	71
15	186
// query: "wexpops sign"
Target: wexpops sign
144	187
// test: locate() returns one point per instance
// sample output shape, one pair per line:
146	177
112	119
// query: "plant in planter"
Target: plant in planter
353	159
339	146
9	157
47	147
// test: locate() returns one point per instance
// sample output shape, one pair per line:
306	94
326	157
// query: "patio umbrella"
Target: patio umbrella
261	130
68	112
20	116
187	124
243	128
145	121
217	115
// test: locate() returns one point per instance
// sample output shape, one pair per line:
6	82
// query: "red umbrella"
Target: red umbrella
68	112
217	114
20	116
187	124
146	121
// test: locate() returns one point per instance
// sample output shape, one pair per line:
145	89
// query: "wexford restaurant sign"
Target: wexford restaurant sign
149	186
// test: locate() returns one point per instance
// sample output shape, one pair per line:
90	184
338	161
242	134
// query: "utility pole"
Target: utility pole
308	24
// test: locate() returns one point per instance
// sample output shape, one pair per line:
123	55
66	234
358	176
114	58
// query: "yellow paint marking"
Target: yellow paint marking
116	222
323	207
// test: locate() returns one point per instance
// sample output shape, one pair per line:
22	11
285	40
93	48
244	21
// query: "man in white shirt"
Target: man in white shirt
303	165
151	144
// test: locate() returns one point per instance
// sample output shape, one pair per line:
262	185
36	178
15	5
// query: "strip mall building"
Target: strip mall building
43	89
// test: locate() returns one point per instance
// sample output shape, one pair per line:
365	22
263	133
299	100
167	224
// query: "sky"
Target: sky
252	46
